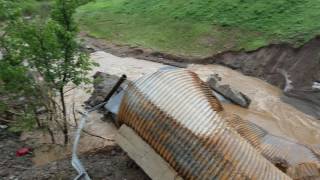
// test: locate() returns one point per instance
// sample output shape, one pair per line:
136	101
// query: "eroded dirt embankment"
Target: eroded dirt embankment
271	63
282	65
292	69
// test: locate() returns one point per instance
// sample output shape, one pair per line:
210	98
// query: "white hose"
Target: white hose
76	163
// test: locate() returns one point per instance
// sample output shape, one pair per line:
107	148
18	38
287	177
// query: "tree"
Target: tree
45	48
8	10
15	81
52	49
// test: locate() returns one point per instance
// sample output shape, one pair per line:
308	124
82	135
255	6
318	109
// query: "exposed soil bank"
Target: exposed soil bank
290	68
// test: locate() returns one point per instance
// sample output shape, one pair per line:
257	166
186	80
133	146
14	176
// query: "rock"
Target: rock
221	98
12	177
3	126
41	110
90	49
229	93
316	85
103	84
113	153
109	174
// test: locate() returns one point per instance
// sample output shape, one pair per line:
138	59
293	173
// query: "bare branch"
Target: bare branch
6	120
91	134
70	89
74	114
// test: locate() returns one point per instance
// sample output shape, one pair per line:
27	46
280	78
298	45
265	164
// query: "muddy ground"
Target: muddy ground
109	163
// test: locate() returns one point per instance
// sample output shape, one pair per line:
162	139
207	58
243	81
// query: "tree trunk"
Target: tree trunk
37	118
51	135
64	112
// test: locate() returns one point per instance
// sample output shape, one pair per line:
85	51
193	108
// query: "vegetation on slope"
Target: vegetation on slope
49	48
36	7
200	28
41	8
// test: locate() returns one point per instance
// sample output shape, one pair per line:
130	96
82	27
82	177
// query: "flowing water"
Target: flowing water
267	110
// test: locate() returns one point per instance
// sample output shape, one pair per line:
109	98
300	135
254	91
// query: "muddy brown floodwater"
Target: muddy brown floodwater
266	110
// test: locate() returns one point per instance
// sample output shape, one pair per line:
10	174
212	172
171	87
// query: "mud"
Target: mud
10	165
99	133
108	163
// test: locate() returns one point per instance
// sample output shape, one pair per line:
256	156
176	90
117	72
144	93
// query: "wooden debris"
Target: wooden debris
138	150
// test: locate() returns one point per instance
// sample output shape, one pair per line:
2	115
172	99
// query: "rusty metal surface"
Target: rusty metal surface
298	160
315	149
175	113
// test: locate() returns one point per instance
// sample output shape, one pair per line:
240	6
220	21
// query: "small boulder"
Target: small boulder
237	97
316	85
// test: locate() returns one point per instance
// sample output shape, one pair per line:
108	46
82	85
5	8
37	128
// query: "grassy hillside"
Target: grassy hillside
200	28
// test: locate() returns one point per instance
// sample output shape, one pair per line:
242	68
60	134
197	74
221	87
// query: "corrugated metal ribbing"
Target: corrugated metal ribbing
298	160
315	149
175	113
305	171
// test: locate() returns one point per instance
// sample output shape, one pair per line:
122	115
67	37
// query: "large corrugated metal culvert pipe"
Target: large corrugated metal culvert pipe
177	115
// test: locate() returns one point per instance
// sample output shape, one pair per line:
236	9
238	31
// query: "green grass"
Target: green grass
201	28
